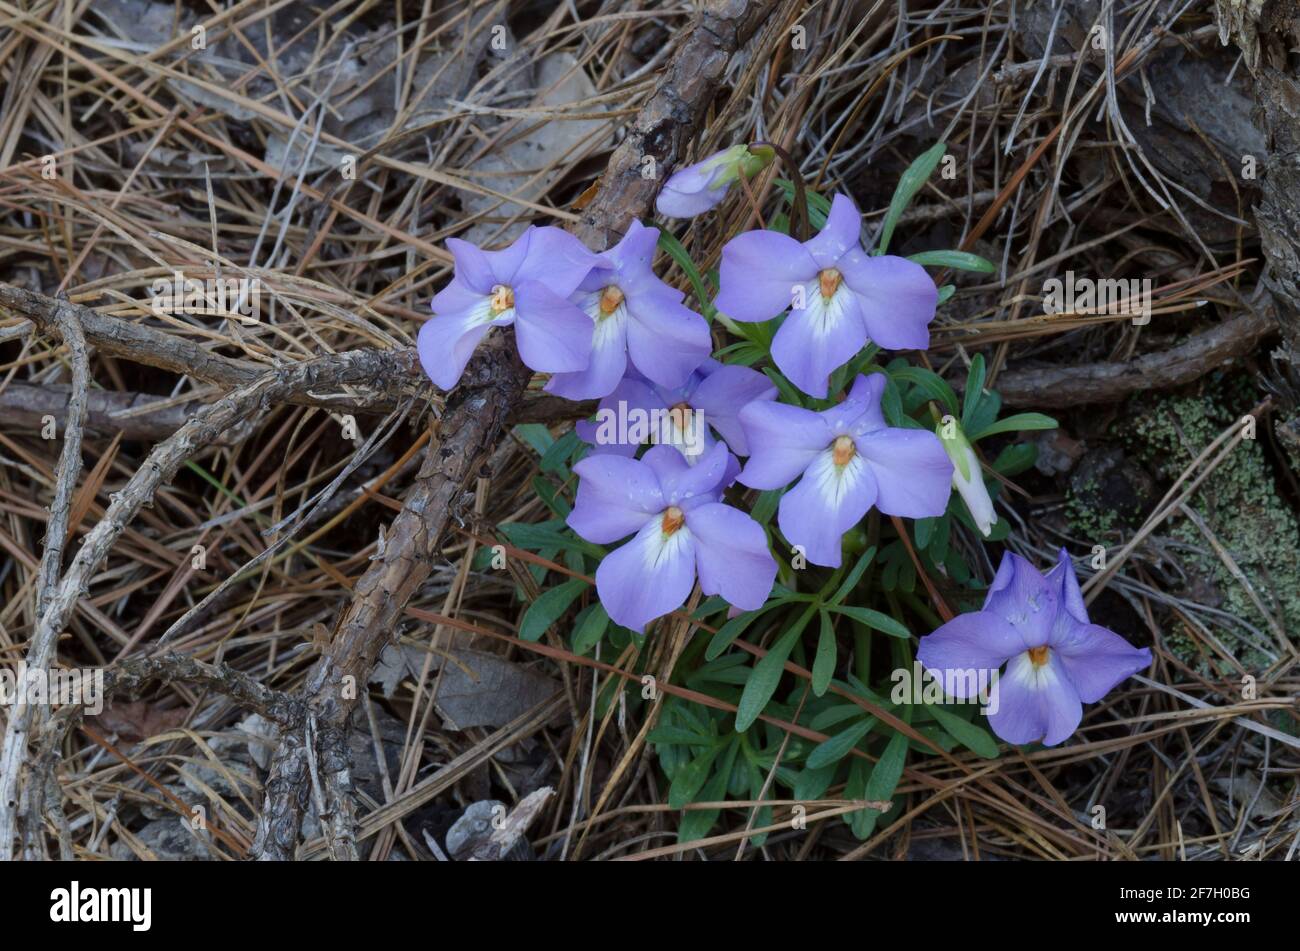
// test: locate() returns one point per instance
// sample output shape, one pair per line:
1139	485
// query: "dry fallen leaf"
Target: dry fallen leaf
139	719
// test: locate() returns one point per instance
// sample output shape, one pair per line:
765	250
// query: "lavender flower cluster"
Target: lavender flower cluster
606	327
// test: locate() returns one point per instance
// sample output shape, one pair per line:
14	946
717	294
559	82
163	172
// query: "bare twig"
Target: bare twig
41	651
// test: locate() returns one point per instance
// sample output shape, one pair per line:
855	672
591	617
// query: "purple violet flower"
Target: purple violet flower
637	316
681	531
1056	659
839	296
849	460
526	284
698	188
712	396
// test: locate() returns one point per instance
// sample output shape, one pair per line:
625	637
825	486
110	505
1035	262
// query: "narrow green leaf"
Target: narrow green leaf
850	582
696	823
552	496
884	778
911	182
766	674
813	783
931	384
974	738
540	536
724	635
546	610
838	746
690	779
537	436
834	716
765	506
923	530
788	392
589	628
960	260
819	206
974	389
824	663
1020	422
677	736
874	620
553	460
673	248
1016	459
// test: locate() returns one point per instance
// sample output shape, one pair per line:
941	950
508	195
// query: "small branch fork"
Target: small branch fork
58	599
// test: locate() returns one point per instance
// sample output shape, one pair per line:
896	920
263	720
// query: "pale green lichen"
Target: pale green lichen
1239	503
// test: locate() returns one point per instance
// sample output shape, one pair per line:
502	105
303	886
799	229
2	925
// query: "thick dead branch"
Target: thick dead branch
41	650
1060	387
475	417
121	338
25	404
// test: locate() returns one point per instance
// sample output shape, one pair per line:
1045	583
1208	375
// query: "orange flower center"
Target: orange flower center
503	298
610	298
829	280
1038	655
674	518
842	450
679	414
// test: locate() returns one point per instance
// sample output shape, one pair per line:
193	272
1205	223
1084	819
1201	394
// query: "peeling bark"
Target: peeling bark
1266	31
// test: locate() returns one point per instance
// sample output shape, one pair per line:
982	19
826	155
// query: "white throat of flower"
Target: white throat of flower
825	300
607	309
1034	669
682	426
663	538
836	470
497	306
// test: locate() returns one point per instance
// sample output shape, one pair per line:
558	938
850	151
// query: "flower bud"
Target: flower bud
967	478
700	187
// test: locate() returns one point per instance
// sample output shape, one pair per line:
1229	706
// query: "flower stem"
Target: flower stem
800	222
